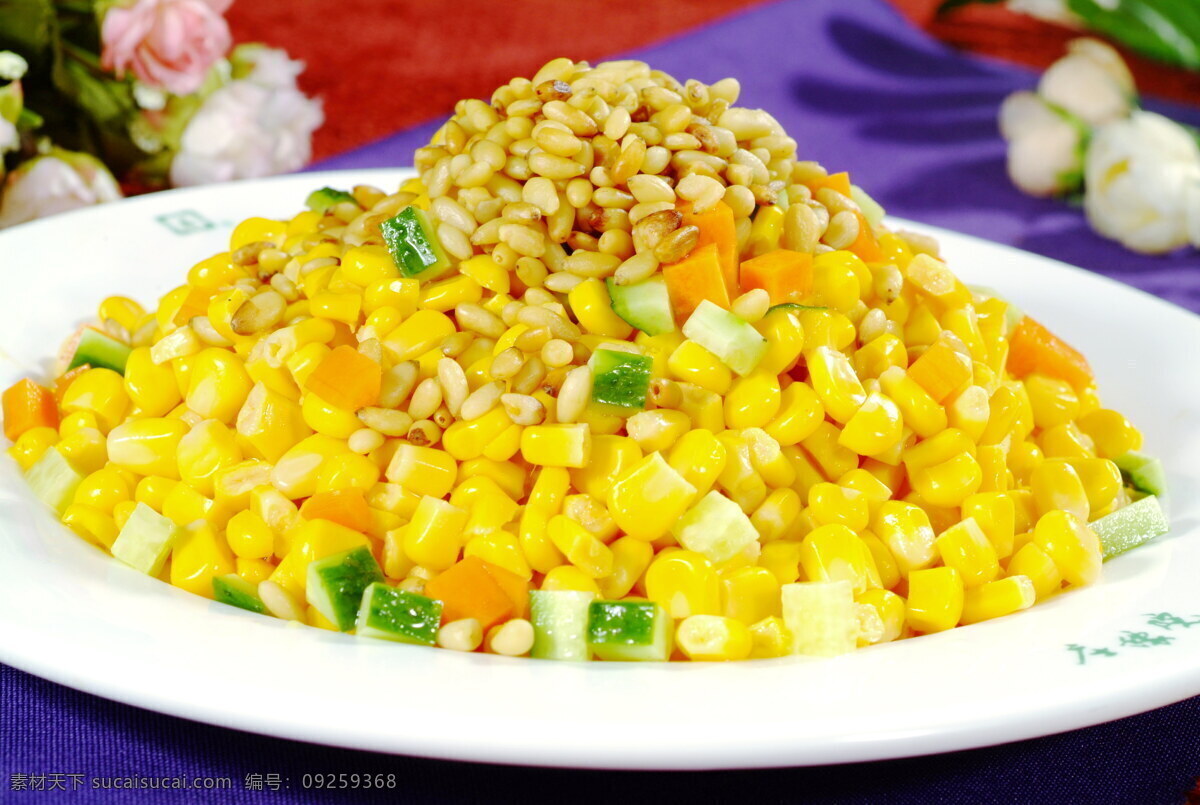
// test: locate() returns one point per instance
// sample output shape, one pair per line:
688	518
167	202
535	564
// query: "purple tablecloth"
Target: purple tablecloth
915	124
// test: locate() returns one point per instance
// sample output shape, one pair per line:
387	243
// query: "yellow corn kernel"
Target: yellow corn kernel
1073	546
581	548
507	475
885	563
922	327
31	445
777	515
657	429
423	470
388	302
800	412
906	531
995	514
205	450
968	411
278	512
328	419
658	348
712	638
1112	434
601	423
569	577
872	488
921	412
304	361
422	331
592	307
147	446
994	466
446	294
198	557
630	557
347	471
502	549
1023	459
344	307
832	458
685	583
932	278
103	489
150	387
557	445
467	440
833	552
765	231
184	505
364	265
122	512
948	483
966	548
153	490
699	457
705	408
835	382
1053	401
1034	564
253	230
100	391
396	565
269	424
692	363
297	470
997	598
880	354
769	639
253	570
782	558
249	536
830	503
612	457
313	540
826	328
785	340
77	421
90	523
218	385
891	611
277	378
487	272
753	401
835	279
740	480
1101	481
1066	441
592	514
123	310
874	428
647	501
433	538
1056	485
750	594
489	506
935	599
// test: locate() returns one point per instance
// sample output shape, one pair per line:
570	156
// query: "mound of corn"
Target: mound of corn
615	341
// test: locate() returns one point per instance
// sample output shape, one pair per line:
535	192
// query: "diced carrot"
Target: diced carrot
717	226
515	587
66	379
941	370
785	275
194	304
347	507
1033	348
346	379
26	406
695	278
835	181
468	589
865	245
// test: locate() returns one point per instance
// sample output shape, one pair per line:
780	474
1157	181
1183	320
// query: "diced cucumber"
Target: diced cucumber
388	613
98	350
336	583
1144	473
232	589
413	244
326	197
53	480
146	540
644	305
630	630
726	335
621	379
560	624
1130	526
821	618
871	209
716	527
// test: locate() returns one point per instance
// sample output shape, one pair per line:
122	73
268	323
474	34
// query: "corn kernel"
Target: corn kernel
935	599
966	548
685	583
998	598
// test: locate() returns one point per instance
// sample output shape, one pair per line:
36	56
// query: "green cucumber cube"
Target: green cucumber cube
645	305
871	209
716	527
326	197
726	335
821	618
621	379
1144	473
1130	526
630	631
146	540
98	350
53	480
413	244
232	589
335	584
388	613
560	621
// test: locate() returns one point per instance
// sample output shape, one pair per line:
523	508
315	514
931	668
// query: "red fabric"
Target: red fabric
995	31
384	65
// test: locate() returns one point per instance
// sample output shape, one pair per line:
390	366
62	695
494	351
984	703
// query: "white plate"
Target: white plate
73	615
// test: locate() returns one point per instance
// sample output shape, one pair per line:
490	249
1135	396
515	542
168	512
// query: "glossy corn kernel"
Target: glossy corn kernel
104	489
750	594
753	401
269	424
31	445
657	429
593	309
502	549
880	354
712	638
775	518
692	363
833	459
1053	401
1066	441
647	501
205	450
967	549
92	524
569	577
147	446
800	412
446	294
1073	546
347	470
200	555
469	440
906	531
484	270
1056	485
995	514
998	598
1036	565
423	470
296	472
419	333
631	557
218	385
935	599
942	369
835	279
785	340
151	387
891	610
769	639
834	552
611	458
1101	481
100	391
921	412
1112	434
993	464
948	483
875	427
885	563
249	536
580	547
328	419
830	503
557	445
685	583
434	536
765	231
699	457
835	382
740	479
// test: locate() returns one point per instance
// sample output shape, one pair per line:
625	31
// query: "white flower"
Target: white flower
1045	154
12	66
1091	82
1143	183
255	126
10	138
54	183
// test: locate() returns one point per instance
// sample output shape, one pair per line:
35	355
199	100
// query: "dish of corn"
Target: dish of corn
617	378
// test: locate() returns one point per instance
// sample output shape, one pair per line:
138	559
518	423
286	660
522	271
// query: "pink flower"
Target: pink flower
168	44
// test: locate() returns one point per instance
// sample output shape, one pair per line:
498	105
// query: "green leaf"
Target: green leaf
29	27
1166	30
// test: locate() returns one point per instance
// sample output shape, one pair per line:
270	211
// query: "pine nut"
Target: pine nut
574	394
752	305
513	638
677	245
387	421
523	409
481	400
424	433
453	381
464	634
425	399
398	382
